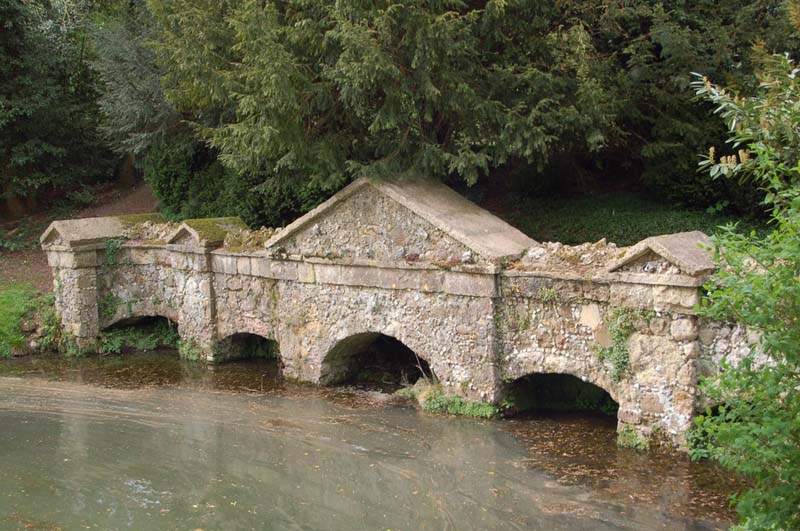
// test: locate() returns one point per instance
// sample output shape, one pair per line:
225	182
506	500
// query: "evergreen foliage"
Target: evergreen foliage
135	112
307	95
48	111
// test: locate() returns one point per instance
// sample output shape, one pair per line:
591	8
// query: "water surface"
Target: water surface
146	441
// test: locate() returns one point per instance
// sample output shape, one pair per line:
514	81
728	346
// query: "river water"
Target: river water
146	441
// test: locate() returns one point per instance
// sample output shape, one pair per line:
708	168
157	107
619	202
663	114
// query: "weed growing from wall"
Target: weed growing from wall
621	324
628	437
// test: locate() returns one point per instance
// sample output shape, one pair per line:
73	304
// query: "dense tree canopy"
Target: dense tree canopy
48	111
295	98
315	93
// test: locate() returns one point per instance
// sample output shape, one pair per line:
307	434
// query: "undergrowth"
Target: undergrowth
147	336
622	218
432	399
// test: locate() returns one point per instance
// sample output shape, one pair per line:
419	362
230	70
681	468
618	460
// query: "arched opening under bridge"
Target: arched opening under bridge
140	334
246	346
557	392
374	361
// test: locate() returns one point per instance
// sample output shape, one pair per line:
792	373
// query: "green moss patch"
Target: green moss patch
431	398
215	229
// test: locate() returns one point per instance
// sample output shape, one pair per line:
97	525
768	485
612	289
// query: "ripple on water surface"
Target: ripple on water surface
149	442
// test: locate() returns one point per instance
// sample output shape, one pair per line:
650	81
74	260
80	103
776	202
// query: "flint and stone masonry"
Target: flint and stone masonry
478	300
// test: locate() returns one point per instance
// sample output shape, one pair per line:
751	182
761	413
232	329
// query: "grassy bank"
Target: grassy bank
15	302
622	218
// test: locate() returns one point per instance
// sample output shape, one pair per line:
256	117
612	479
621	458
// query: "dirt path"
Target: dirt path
29	266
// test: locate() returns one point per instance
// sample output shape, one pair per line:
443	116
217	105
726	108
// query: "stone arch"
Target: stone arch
348	357
559	391
136	318
246	345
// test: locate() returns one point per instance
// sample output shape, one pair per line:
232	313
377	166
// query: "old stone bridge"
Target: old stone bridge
478	300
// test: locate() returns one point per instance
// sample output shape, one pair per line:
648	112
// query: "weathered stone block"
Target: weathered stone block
659	325
634	295
243	265
651	404
469	284
590	316
221	263
673	298
684	329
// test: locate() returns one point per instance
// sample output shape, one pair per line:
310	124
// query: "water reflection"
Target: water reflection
166	445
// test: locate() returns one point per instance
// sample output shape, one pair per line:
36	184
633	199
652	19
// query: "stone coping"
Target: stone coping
260	263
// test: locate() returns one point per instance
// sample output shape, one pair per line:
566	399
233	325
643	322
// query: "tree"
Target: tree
757	430
135	111
317	93
48	126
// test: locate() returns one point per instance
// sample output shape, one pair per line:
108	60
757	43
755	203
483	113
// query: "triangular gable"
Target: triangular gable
688	251
86	231
399	221
206	233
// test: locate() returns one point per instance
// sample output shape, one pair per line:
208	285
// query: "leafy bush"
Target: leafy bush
757	430
191	182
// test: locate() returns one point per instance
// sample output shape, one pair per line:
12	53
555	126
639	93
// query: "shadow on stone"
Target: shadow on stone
374	361
243	346
556	392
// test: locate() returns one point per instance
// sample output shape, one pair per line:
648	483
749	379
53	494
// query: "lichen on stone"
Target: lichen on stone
244	240
150	232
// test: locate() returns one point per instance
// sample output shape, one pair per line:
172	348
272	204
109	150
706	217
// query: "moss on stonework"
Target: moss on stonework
129	220
215	229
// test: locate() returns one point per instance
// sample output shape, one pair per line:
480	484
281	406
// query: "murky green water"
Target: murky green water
148	442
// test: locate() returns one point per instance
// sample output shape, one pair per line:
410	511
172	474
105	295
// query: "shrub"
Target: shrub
757	432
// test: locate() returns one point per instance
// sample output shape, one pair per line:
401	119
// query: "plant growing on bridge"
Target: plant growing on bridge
628	437
757	431
437	402
621	324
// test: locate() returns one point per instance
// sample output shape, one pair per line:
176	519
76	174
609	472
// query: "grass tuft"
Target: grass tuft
15	302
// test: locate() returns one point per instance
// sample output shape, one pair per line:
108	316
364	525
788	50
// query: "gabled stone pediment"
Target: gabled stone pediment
78	232
684	253
205	233
411	220
87	231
